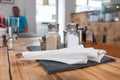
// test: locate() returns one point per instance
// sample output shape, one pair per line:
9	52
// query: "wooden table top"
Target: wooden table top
11	68
4	64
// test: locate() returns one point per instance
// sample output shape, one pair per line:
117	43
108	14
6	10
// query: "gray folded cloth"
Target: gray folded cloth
72	55
27	35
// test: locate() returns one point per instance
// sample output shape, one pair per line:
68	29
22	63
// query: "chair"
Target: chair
2	26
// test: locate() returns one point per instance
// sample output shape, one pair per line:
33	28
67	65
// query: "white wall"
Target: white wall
69	8
65	8
30	12
27	8
6	8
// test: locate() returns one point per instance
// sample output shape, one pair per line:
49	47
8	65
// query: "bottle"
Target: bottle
64	37
53	40
43	43
15	35
10	43
71	35
9	28
4	41
10	38
80	33
89	39
10	32
15	27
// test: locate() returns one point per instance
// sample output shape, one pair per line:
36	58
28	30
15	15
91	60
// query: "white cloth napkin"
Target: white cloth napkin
100	55
72	55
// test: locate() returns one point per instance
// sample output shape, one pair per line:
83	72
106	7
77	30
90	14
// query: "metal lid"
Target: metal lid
71	27
53	26
84	28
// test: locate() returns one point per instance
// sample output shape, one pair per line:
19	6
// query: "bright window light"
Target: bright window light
87	5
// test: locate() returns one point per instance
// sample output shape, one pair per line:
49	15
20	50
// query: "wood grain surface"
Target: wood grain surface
31	70
4	64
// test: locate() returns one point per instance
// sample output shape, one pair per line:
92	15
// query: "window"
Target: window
45	12
95	4
87	5
49	2
81	2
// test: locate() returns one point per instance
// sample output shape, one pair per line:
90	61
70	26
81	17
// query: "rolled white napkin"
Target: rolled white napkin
69	59
100	55
62	55
72	55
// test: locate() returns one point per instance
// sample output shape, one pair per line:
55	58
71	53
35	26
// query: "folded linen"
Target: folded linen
100	55
64	59
72	55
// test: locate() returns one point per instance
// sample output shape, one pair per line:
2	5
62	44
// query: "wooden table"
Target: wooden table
11	68
4	65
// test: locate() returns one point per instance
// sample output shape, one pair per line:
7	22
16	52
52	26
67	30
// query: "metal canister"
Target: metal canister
71	36
53	40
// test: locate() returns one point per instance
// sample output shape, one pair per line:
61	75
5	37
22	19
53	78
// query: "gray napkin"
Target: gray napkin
27	35
54	67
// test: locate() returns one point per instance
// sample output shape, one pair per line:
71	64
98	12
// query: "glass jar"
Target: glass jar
71	36
4	40
15	27
43	43
53	40
10	43
89	39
